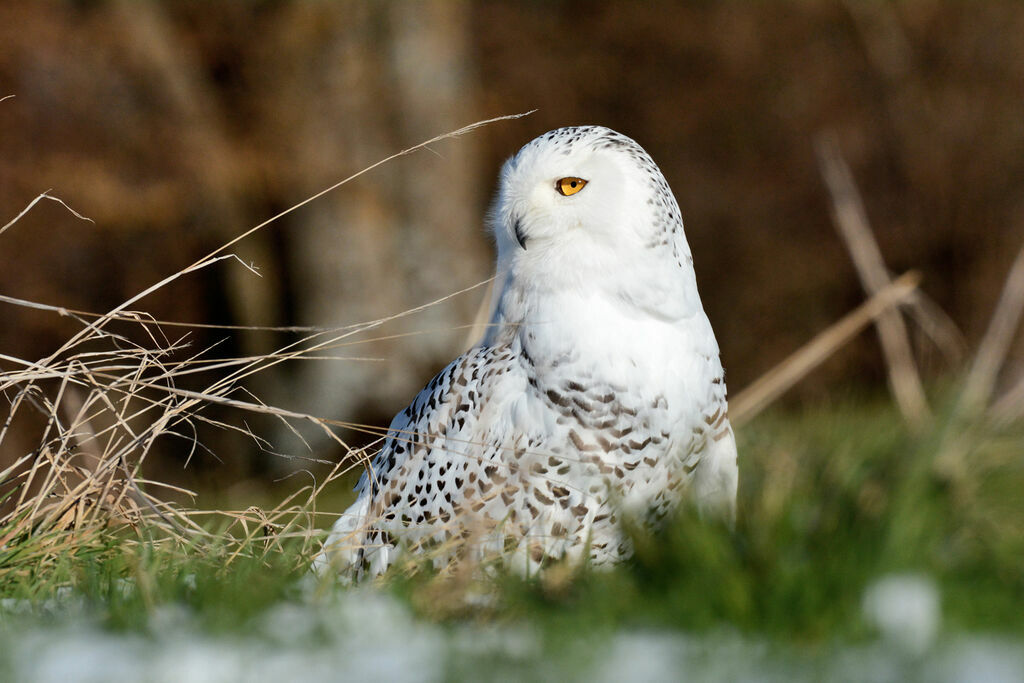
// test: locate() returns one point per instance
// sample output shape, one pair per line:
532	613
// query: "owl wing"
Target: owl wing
716	476
439	453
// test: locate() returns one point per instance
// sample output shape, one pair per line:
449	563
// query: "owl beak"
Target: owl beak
517	227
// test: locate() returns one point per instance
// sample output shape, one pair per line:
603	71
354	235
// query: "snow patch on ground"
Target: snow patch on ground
906	610
371	636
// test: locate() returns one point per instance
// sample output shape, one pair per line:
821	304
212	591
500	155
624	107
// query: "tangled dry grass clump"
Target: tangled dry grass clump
102	400
99	403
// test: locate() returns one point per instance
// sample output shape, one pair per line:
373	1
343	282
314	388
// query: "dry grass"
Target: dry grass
100	404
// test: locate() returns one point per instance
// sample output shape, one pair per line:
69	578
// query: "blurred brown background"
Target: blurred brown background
178	125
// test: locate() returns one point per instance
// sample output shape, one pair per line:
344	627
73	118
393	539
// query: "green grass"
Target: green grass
830	499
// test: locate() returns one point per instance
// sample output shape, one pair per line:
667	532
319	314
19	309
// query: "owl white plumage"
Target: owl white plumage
597	391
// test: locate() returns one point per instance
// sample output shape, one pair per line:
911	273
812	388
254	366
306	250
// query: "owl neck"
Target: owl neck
552	322
585	291
612	330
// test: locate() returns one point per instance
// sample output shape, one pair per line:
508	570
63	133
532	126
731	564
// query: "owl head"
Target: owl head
584	184
583	200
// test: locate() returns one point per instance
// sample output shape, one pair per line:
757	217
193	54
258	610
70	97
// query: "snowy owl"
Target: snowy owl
596	392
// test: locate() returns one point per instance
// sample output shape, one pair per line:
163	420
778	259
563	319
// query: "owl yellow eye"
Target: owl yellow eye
569	186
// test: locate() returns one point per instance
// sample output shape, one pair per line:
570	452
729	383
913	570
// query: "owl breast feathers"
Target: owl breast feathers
597	391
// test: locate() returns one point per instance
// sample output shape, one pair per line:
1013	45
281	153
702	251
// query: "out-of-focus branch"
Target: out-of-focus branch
851	222
995	344
936	324
759	395
889	50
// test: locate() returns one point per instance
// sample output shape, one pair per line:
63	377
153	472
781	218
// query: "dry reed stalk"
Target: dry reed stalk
888	49
1009	407
759	395
937	326
852	223
44	195
981	378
